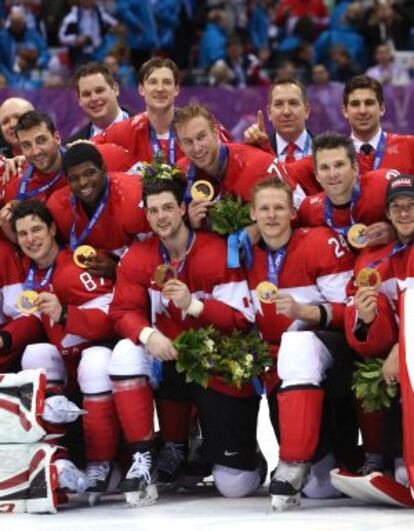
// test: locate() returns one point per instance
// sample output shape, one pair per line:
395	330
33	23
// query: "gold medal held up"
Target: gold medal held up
368	277
25	301
202	191
82	254
266	292
163	274
357	235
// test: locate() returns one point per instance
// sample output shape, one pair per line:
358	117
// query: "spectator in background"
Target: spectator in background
19	44
97	93
214	40
324	95
167	13
83	30
259	24
302	59
320	75
288	12
10	112
123	73
343	66
243	68
385	70
386	23
285	70
142	36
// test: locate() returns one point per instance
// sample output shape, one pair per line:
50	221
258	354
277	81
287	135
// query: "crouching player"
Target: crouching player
297	281
73	305
149	311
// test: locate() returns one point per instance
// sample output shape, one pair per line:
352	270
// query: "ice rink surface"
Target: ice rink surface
204	509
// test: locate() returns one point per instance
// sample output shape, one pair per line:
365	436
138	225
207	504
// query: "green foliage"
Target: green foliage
236	357
370	387
229	215
158	169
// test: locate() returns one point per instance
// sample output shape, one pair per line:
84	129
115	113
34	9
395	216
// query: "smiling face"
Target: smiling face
200	143
41	147
165	215
36	239
363	112
401	214
273	212
336	174
10	112
98	99
87	182
159	89
288	111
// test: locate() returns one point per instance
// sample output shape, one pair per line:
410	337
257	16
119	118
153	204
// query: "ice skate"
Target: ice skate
104	477
139	484
287	482
169	464
70	477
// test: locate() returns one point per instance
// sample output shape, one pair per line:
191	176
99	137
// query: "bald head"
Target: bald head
10	111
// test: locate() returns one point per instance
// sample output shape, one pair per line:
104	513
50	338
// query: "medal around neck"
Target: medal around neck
266	292
82	254
368	277
357	236
26	301
202	191
163	274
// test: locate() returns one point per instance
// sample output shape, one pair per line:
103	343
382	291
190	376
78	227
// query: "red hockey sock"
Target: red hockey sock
174	419
134	406
101	428
372	430
300	411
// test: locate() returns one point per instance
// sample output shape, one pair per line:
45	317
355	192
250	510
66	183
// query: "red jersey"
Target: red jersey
134	135
310	277
87	298
397	274
398	154
369	208
246	165
138	302
122	221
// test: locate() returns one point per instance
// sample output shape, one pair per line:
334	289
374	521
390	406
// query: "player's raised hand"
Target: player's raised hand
197	211
256	133
380	233
13	168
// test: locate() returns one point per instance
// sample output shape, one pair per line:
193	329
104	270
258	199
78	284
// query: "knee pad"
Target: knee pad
93	368
129	360
302	359
47	357
235	483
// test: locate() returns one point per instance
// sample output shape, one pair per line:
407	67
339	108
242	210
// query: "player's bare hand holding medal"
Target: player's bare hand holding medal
49	305
202	193
177	292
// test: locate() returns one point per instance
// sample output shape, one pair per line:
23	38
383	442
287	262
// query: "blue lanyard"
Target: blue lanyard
380	151
192	170
397	248
30	282
156	149
307	146
328	211
22	192
74	241
166	257
275	261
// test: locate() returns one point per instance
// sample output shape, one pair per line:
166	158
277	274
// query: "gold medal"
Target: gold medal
266	292
82	254
357	236
163	274
202	191
368	277
25	301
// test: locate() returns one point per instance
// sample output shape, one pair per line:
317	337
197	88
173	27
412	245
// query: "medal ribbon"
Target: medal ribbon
155	145
192	170
275	261
74	241
166	257
30	282
380	151
236	242
397	248
307	146
328	211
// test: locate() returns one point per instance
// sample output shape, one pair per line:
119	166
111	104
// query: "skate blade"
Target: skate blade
285	503
93	498
142	499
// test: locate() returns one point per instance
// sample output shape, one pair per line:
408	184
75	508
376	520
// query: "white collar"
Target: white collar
300	142
374	141
95	130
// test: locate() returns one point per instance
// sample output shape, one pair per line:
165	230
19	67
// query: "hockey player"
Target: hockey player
230	168
347	198
149	312
98	209
73	305
297	282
